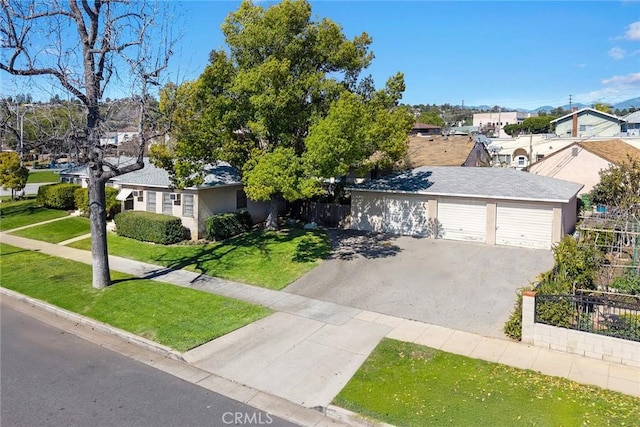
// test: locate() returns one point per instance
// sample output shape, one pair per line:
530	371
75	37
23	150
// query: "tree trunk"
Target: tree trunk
272	219
98	218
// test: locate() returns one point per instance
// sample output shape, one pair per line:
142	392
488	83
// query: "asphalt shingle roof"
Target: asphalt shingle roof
500	183
219	174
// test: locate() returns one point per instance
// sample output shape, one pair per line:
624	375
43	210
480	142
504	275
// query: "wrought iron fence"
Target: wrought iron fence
610	314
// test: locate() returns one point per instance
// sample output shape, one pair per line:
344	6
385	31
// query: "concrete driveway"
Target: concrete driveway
465	286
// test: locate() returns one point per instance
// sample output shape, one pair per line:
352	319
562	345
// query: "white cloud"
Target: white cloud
633	33
617	52
615	88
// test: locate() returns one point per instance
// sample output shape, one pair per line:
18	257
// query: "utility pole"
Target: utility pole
570	109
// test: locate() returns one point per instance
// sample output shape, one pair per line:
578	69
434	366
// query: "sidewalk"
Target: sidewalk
308	350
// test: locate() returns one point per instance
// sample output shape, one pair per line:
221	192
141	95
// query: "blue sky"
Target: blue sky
511	53
522	54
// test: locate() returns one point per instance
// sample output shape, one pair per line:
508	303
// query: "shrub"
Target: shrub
150	227
513	326
627	284
626	326
225	225
113	206
57	196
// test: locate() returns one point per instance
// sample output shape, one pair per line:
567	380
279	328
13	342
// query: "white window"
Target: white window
151	201
167	206
521	160
187	206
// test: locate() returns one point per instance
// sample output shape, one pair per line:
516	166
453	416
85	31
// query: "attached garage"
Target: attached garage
463	219
524	224
489	205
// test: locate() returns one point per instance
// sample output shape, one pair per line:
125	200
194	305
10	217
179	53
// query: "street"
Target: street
53	378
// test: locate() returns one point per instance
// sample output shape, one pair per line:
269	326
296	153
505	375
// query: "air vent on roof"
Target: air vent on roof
574	151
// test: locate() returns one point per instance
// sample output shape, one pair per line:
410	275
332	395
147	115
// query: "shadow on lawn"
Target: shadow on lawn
308	250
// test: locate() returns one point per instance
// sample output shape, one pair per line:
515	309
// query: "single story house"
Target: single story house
582	161
632	124
496	206
150	189
422	129
588	122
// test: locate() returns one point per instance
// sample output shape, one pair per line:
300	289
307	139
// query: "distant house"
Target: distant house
493	123
150	189
632	124
422	129
452	151
582	161
496	206
588	122
115	139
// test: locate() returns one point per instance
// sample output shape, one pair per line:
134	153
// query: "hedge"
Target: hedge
57	196
225	225
113	206
150	227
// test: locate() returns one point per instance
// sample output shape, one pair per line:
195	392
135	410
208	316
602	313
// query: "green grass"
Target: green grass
25	212
43	176
178	317
264	258
57	231
411	385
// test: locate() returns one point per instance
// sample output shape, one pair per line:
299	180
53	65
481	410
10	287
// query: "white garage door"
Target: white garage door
463	219
522	224
406	215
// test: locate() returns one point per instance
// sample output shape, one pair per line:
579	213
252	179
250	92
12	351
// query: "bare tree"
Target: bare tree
82	45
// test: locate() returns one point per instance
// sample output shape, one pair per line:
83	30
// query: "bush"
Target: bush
150	227
513	326
57	196
626	326
113	206
627	284
225	225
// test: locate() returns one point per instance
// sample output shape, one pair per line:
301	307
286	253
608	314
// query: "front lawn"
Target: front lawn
43	176
178	317
411	385
25	212
271	259
57	231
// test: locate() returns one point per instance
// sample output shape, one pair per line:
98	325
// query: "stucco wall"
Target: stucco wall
367	211
582	168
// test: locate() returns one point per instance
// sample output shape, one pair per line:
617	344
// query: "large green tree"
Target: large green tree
285	104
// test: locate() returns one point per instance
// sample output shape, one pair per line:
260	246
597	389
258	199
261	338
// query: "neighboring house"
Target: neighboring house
582	161
632	124
422	129
496	206
588	122
450	151
115	139
493	123
149	189
463	130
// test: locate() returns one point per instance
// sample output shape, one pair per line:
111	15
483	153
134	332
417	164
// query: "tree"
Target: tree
605	108
269	102
81	46
431	117
12	174
535	125
619	187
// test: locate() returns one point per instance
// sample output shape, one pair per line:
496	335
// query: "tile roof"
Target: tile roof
499	183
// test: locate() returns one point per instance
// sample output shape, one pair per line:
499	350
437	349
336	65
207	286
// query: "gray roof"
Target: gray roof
588	110
633	117
151	176
498	183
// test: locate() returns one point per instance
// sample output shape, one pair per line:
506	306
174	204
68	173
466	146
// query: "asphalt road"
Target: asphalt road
53	378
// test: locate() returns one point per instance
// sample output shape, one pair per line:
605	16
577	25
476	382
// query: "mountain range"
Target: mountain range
632	102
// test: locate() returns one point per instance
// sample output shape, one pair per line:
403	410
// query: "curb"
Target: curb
351	418
103	327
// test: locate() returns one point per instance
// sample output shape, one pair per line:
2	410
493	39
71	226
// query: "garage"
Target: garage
463	219
406	215
496	206
524	224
